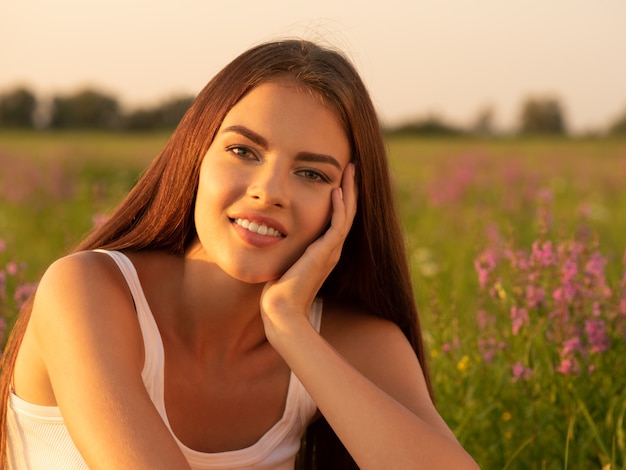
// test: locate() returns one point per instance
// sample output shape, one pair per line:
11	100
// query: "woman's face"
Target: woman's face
265	183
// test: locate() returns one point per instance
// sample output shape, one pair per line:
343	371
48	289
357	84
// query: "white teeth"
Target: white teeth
258	228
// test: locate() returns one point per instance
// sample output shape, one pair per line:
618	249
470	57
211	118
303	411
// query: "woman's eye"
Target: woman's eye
314	175
242	152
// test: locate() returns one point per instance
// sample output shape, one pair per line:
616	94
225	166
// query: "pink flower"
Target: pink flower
518	259
595	266
483	319
596	335
542	254
569	270
520	372
519	318
545	195
23	292
571	346
12	268
568	366
534	296
3	284
565	293
99	220
489	347
596	310
484	264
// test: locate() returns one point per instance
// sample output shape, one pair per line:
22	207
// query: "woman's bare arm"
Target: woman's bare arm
86	332
377	402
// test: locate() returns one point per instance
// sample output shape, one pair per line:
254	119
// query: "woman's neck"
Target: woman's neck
199	306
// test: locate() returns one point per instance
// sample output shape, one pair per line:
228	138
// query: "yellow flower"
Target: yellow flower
434	353
508	435
500	290
506	416
463	364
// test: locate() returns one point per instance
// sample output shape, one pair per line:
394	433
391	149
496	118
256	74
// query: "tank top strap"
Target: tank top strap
315	316
154	352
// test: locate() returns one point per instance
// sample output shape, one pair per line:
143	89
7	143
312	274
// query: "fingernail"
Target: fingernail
340	193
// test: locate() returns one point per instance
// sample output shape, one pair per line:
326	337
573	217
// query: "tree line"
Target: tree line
538	115
86	109
94	109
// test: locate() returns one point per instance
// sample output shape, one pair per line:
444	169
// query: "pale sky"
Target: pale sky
420	57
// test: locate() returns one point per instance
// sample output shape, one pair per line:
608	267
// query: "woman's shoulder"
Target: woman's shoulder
340	317
80	283
378	348
81	306
357	332
93	269
83	266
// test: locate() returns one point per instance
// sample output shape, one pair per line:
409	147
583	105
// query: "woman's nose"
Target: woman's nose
269	186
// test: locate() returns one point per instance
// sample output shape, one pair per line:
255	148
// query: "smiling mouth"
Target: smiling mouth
256	227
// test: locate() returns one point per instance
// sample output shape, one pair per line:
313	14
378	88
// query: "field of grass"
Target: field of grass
518	252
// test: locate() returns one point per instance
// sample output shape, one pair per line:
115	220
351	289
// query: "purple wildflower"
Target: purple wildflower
519	318
596	335
569	366
535	296
571	346
489	347
98	220
482	319
520	372
23	292
3	284
484	264
12	268
542	254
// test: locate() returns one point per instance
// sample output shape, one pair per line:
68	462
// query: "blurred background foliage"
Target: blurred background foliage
90	108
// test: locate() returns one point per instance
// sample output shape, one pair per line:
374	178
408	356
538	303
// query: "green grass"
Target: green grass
53	184
454	196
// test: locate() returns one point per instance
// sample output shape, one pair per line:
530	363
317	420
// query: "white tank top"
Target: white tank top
37	438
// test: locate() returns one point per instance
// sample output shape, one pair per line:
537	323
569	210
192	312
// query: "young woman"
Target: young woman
252	289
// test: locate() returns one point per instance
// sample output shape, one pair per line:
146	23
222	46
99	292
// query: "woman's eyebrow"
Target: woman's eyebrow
318	158
248	134
301	156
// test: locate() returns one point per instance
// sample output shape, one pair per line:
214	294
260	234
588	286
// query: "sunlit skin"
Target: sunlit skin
275	160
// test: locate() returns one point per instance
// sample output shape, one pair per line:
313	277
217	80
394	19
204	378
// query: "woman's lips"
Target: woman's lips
258	227
258	232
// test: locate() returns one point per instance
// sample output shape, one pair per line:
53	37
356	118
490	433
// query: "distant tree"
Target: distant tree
87	109
143	120
483	124
172	111
619	126
542	116
17	108
165	116
429	126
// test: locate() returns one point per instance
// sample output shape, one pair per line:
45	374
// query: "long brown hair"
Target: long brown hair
373	270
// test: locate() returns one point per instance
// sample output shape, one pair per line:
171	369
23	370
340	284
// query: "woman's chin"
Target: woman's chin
257	277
